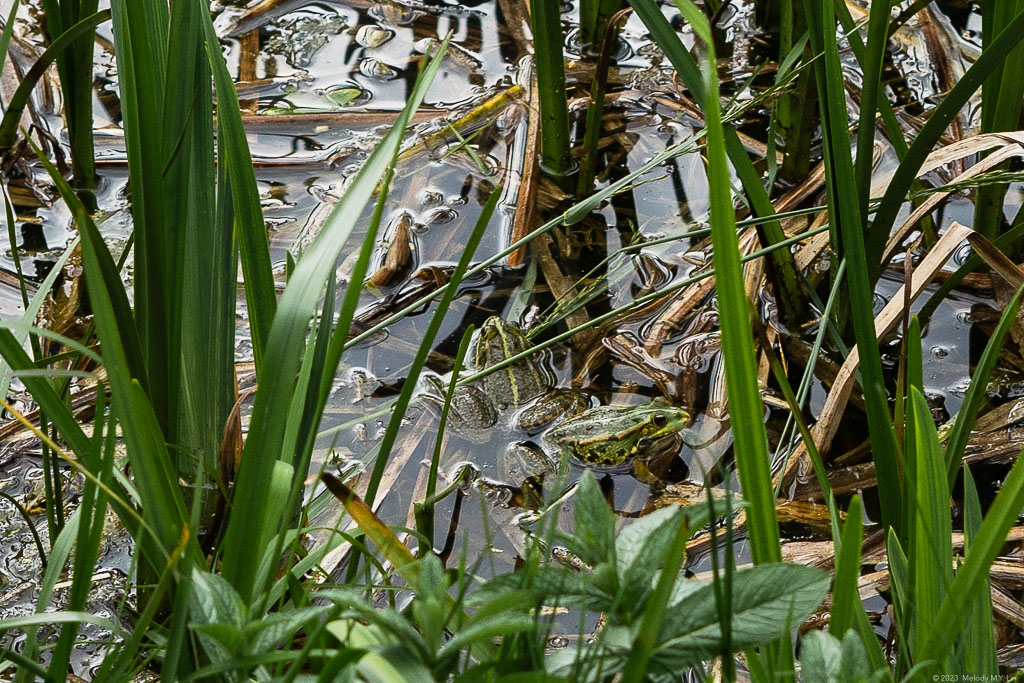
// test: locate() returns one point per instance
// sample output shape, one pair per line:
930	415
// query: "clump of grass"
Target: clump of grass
239	605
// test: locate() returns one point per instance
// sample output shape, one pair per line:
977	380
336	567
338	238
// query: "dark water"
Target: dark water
322	81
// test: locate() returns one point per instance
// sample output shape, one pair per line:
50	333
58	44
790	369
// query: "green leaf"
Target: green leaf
766	601
931	545
978	647
972	576
594	536
639	550
250	529
821	656
845	596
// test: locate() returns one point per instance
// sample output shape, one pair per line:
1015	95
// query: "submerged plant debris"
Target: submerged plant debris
319	85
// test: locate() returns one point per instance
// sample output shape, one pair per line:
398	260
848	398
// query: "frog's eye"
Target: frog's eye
659	419
643	444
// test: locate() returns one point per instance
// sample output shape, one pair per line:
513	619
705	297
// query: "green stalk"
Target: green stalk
546	20
847	221
1002	94
791	297
745	407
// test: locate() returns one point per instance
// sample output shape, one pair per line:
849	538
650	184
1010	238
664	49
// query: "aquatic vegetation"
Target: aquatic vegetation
338	380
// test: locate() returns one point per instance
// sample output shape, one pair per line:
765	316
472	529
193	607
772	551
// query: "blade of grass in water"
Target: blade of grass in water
745	406
427	513
791	298
249	528
931	549
978	648
871	72
409	385
844	211
975	397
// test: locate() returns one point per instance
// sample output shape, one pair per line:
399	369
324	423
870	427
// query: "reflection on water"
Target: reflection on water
320	83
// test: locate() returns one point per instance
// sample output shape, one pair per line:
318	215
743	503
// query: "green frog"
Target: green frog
613	438
523	387
609	438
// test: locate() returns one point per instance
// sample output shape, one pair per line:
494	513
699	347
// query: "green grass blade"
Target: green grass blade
250	229
162	502
249	528
931	545
845	597
972	577
845	214
745	407
975	397
201	357
5	37
420	359
141	30
977	652
1001	96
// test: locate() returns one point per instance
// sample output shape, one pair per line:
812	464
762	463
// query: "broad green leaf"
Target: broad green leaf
766	601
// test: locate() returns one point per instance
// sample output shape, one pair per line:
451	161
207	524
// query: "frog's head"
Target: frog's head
655	423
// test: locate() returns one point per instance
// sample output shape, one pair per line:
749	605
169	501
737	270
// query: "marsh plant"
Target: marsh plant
226	584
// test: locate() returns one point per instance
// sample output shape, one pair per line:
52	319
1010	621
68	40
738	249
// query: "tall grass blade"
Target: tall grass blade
75	67
1002	94
250	528
249	228
977	652
745	407
931	545
420	359
972	577
845	215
